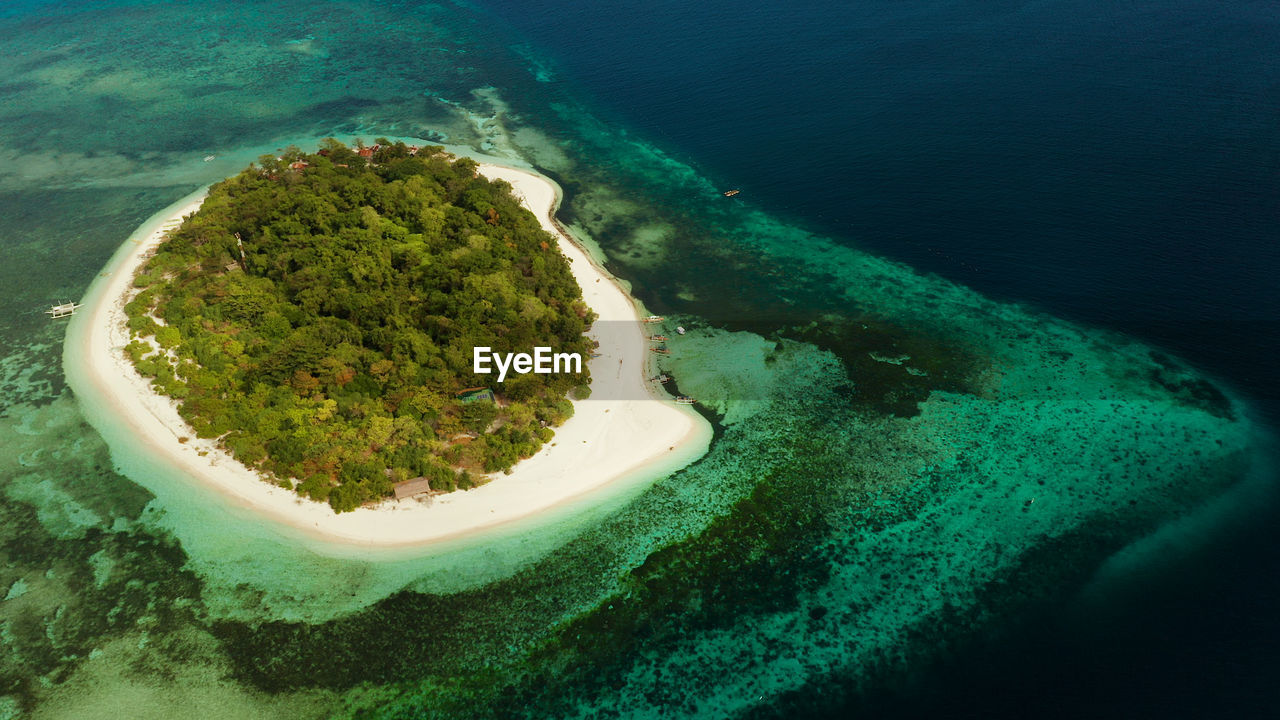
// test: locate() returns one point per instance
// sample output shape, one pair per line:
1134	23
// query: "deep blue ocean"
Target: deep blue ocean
1113	163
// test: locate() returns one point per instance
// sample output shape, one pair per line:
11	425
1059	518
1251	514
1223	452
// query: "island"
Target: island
230	345
321	315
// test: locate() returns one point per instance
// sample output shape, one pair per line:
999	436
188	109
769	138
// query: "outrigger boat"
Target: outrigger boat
654	319
731	193
660	378
661	350
685	400
63	310
658	338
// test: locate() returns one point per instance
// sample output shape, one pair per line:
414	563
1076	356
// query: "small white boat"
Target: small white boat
680	329
654	319
209	158
62	310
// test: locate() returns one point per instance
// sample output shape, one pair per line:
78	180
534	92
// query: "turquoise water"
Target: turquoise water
900	464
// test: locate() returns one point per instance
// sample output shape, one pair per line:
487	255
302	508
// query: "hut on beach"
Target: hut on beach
410	488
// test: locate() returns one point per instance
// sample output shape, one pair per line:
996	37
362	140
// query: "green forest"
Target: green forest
317	316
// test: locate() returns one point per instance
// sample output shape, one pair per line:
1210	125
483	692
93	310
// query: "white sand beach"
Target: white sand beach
606	440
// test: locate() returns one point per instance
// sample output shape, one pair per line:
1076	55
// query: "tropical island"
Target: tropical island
316	315
628	433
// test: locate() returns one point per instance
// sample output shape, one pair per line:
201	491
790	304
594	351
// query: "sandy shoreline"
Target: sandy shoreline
606	440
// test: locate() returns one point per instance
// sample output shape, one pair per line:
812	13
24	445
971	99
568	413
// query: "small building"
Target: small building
297	165
366	152
475	393
410	488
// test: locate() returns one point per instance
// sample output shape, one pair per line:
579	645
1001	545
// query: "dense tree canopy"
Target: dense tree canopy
331	354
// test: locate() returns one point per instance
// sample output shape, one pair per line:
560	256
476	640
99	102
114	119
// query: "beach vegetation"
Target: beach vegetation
322	309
